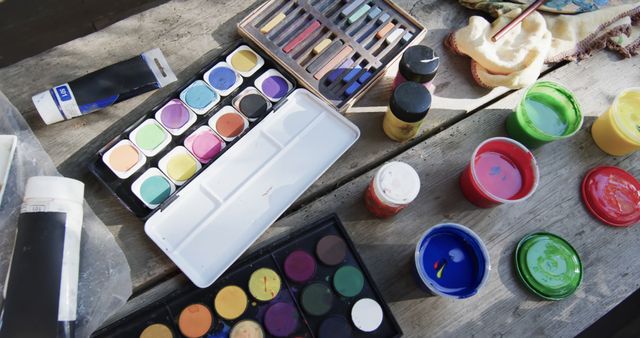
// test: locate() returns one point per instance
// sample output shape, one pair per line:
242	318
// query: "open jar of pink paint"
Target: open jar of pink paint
501	171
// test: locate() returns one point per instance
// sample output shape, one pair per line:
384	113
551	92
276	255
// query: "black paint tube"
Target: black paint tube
41	289
104	87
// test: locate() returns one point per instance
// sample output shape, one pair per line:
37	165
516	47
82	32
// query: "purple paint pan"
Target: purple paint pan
281	319
176	117
300	266
273	85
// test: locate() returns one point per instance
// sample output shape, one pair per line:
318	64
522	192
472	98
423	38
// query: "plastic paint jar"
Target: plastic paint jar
617	131
418	64
409	105
546	113
43	274
392	188
451	261
501	170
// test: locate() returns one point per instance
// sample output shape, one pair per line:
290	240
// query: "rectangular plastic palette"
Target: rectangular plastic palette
335	48
126	184
233	201
165	314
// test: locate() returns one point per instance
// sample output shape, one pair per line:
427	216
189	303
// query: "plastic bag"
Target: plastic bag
104	283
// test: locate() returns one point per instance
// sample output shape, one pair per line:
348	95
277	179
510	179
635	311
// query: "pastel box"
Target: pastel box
311	39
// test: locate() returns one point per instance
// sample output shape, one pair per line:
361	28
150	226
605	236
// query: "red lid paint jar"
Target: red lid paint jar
501	171
392	188
418	64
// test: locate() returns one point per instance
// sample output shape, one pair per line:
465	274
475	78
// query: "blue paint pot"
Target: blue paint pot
451	261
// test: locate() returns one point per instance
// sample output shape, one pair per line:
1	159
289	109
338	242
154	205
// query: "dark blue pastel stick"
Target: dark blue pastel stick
355	71
365	77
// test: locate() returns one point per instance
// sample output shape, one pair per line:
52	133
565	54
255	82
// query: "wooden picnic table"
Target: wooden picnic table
191	33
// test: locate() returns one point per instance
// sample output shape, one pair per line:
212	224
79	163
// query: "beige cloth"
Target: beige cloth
517	59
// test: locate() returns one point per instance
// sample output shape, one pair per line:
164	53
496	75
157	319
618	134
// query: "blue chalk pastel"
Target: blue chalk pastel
358	14
374	12
352	88
351	74
365	77
336	72
407	37
384	17
351	7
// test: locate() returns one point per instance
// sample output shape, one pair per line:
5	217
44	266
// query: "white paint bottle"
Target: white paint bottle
42	284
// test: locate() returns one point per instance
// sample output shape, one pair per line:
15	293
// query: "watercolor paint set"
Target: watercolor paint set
335	48
153	158
311	283
217	162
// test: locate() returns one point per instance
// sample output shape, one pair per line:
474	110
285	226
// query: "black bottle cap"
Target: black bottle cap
419	64
410	102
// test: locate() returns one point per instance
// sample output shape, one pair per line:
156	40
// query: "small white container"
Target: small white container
394	186
178	173
150	148
200	97
117	167
248	110
176	117
275	81
163	186
247	51
226	134
223	78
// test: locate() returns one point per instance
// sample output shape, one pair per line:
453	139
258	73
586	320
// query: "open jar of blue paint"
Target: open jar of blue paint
451	261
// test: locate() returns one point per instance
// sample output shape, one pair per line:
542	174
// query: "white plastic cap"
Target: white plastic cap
54	187
47	107
396	183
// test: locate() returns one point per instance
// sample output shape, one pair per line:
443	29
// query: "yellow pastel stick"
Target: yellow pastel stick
272	23
321	46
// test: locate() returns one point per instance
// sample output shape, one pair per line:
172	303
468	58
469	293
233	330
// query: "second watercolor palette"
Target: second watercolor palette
335	48
309	284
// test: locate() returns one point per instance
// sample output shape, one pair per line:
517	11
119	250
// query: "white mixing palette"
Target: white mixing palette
218	215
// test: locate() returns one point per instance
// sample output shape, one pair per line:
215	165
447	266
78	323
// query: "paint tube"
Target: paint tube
42	284
104	87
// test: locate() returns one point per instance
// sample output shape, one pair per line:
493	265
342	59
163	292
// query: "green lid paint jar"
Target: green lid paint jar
546	113
548	265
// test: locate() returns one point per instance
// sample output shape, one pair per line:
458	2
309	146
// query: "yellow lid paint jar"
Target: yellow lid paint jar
617	131
409	105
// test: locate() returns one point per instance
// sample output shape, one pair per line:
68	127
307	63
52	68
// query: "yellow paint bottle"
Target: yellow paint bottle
617	131
409	105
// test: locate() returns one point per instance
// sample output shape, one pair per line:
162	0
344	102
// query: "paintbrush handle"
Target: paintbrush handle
517	20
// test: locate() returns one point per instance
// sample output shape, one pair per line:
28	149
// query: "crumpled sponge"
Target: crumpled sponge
517	59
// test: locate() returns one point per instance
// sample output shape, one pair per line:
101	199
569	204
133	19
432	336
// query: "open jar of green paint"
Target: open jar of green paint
546	113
